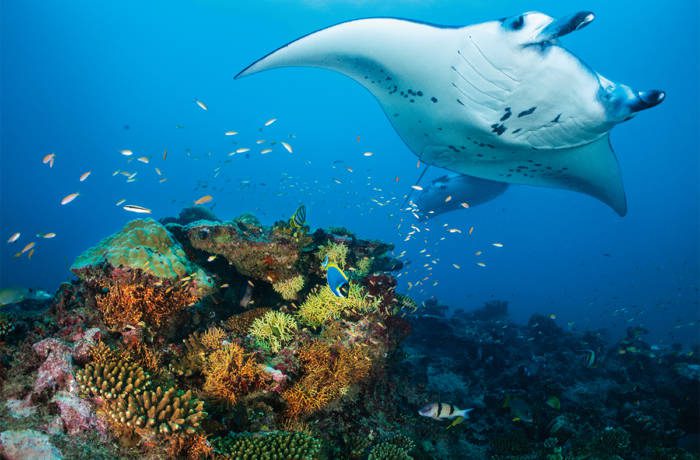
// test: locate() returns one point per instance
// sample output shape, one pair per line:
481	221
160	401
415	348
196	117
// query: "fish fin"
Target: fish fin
455	422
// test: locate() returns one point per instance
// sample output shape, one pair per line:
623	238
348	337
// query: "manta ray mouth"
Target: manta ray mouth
565	25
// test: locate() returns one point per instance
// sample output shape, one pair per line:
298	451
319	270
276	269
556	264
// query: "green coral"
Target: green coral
337	253
268	445
388	451
364	268
142	244
274	329
322	305
289	288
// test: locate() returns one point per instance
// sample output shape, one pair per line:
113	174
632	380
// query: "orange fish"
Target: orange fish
85	175
68	198
49	158
203	200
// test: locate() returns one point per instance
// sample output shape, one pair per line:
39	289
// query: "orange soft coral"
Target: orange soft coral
328	373
131	297
229	375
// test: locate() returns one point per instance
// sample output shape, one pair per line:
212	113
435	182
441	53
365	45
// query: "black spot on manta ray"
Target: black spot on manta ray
526	112
517	131
453	148
556	119
498	129
506	115
434	99
460	102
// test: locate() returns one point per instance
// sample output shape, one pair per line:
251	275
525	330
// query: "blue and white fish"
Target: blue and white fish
335	277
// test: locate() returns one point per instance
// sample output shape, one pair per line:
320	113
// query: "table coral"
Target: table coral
274	329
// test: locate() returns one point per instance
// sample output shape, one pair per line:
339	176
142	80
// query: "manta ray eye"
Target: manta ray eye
514	23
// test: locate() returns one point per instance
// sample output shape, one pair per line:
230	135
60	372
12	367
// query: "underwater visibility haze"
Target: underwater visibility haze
484	243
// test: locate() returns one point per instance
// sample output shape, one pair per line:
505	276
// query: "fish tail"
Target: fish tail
463	413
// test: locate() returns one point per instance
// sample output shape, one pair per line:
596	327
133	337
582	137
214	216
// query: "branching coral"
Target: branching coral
289	288
190	446
198	346
322	305
112	378
364	267
268	445
143	355
275	329
229	375
240	324
212	338
328	373
132	297
388	451
337	253
154	412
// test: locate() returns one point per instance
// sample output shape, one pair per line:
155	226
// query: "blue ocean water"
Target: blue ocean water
85	80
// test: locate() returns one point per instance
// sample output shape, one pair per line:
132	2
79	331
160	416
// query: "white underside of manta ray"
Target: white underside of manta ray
499	100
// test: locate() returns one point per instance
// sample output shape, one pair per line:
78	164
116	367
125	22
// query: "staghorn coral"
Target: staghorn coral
154	412
240	324
337	253
321	305
268	445
229	375
289	288
328	373
101	353
388	451
112	378
274	330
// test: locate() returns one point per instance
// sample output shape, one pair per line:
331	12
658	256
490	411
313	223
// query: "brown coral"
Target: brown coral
132	297
328	374
212	337
112	378
193	447
229	375
239	324
154	412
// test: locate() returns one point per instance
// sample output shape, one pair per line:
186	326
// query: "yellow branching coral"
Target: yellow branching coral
229	375
275	329
322	305
337	253
363	268
289	288
239	324
328	374
143	355
212	337
155	412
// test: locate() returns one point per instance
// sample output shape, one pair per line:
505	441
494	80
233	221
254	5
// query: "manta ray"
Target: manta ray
499	100
451	192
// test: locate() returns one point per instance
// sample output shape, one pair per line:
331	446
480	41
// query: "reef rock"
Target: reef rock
76	413
56	372
27	444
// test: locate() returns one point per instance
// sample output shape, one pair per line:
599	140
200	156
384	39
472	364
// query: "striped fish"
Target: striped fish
298	219
443	411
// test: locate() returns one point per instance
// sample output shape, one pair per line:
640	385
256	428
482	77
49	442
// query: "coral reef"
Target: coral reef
322	305
112	378
229	374
26	444
289	288
268	446
274	329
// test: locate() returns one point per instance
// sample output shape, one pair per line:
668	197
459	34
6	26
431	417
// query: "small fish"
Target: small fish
448	198
471	230
136	209
203	200
417	164
27	247
478	253
120	202
85	175
126	152
443	411
46	235
230	133
14	237
49	159
145	160
165	155
211	258
298	219
497	245
368	154
417	187
158	171
265	151
287	147
456	266
30	254
224	286
481	264
464	204
68	198
201	105
270	122
242	150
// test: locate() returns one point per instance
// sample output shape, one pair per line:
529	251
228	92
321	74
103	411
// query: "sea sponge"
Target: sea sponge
321	305
327	374
388	451
229	375
155	412
240	324
337	253
275	329
112	378
289	288
268	445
